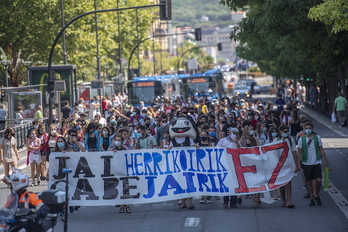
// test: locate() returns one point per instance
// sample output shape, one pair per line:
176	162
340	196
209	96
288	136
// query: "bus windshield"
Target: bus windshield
197	85
145	94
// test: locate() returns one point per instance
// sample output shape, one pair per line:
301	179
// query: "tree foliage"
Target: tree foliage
279	36
30	27
332	13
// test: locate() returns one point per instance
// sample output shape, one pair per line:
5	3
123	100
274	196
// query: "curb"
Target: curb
313	115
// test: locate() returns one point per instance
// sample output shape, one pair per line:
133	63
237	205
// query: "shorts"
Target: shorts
35	158
312	172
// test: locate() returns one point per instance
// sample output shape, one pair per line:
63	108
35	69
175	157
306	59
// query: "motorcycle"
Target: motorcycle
14	219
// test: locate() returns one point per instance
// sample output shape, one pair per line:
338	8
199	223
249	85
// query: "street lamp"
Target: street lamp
6	64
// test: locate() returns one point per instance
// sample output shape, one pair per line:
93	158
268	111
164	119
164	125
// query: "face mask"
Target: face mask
78	128
118	143
140	135
36	126
261	112
251	132
252	107
165	124
33	136
156	122
136	123
112	120
257	117
309	131
204	138
105	132
233	136
223	122
285	135
274	134
212	134
57	125
221	118
242	104
249	117
61	144
148	134
264	129
53	132
141	105
13	134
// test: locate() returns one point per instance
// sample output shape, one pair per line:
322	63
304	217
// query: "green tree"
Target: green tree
331	13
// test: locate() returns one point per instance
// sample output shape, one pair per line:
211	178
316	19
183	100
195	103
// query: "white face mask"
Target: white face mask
118	143
233	136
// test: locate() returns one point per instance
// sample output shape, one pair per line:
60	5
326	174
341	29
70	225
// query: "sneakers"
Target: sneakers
317	199
191	206
312	203
183	206
202	201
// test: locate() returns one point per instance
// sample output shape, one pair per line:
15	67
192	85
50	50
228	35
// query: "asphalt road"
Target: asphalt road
166	216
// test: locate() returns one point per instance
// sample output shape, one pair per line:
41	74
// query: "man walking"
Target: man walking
341	107
311	152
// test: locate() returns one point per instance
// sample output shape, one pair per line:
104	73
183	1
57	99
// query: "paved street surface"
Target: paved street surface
166	216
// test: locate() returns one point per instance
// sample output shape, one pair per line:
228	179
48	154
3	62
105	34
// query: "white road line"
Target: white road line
343	155
338	198
192	222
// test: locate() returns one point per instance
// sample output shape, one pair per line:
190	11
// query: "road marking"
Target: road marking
338	198
192	222
343	155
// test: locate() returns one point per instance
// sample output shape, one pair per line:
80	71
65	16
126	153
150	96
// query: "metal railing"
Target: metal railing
21	131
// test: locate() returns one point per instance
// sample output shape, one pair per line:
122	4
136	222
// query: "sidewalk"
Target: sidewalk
313	115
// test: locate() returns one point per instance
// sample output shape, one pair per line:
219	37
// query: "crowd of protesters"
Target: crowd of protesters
231	122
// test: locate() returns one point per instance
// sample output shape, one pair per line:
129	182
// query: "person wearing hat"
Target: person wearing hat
231	141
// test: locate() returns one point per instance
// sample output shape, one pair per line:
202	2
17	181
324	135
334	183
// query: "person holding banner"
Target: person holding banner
286	190
311	153
274	135
231	141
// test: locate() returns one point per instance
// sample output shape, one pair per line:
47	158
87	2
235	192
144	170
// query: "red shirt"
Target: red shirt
104	104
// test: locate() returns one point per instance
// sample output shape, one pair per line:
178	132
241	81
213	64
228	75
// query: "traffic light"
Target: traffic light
219	45
166	10
50	87
198	34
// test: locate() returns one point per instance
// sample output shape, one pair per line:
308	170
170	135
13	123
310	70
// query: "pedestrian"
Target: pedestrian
38	114
230	141
66	110
145	141
285	191
311	154
8	151
43	136
280	103
33	146
3	115
73	141
340	106
92	141
105	138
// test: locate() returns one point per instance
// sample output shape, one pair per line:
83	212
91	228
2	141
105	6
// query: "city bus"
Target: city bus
209	83
146	89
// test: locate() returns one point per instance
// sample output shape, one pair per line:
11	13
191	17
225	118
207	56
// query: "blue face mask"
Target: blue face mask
274	134
61	144
285	135
140	135
308	132
212	134
251	132
78	128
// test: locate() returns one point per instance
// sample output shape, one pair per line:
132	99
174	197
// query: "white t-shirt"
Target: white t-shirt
311	157
226	143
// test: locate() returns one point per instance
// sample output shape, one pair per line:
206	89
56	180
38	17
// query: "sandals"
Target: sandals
121	210
225	204
128	210
182	206
284	205
290	205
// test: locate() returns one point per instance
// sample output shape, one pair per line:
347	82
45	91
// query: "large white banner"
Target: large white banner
154	175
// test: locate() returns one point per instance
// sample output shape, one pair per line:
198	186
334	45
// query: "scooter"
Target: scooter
14	219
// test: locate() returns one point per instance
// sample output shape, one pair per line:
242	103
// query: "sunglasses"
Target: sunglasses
73	135
286	131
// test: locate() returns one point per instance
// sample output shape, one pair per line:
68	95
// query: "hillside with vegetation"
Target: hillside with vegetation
190	13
